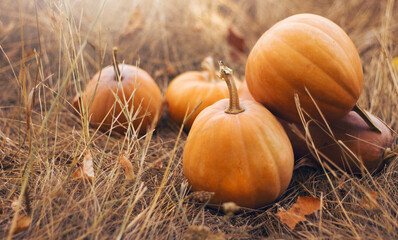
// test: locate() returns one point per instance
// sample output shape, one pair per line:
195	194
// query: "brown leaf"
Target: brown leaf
29	52
306	162
369	201
86	170
22	223
15	204
289	218
6	29
158	164
304	206
395	63
236	40
202	233
200	196
171	69
127	166
135	23
237	57
230	208
168	71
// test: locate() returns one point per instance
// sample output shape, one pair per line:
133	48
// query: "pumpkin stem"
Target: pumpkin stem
208	65
366	118
234	105
116	65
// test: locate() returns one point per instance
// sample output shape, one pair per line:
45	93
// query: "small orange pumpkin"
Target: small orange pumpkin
194	89
244	92
367	145
239	151
305	51
113	103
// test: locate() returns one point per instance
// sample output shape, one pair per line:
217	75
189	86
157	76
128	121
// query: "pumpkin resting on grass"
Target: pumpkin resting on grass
305	51
111	101
192	88
244	92
368	146
239	151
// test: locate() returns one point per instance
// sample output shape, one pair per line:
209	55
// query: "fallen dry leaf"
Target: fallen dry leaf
236	39
202	233
237	57
169	70
395	63
14	204
200	196
306	162
230	208
304	206
22	223
86	170
136	22
6	29
127	166
158	164
369	201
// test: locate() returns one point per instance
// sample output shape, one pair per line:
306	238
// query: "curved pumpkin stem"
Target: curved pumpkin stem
116	64
234	105
366	118
208	65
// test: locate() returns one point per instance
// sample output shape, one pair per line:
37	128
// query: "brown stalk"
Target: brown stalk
116	65
234	105
366	118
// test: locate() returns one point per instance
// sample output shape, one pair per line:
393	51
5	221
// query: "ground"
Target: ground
48	48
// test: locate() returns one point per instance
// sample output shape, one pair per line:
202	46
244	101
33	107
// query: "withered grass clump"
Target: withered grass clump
50	49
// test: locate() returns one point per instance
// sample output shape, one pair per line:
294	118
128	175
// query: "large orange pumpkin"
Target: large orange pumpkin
305	51
239	151
192	88
119	95
365	147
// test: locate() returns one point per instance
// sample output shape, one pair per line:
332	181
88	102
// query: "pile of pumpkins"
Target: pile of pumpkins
303	79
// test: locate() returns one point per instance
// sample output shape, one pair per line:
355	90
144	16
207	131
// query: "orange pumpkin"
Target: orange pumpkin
305	51
192	88
244	92
239	151
120	94
366	147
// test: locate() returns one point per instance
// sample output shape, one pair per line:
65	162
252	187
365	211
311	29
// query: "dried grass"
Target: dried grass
66	42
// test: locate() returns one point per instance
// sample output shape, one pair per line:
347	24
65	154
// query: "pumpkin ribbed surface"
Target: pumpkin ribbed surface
109	100
245	158
305	51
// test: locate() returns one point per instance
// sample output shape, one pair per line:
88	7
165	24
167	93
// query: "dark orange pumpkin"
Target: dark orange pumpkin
135	99
305	51
239	151
192	88
365	147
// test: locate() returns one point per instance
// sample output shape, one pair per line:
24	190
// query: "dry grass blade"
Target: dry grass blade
72	40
